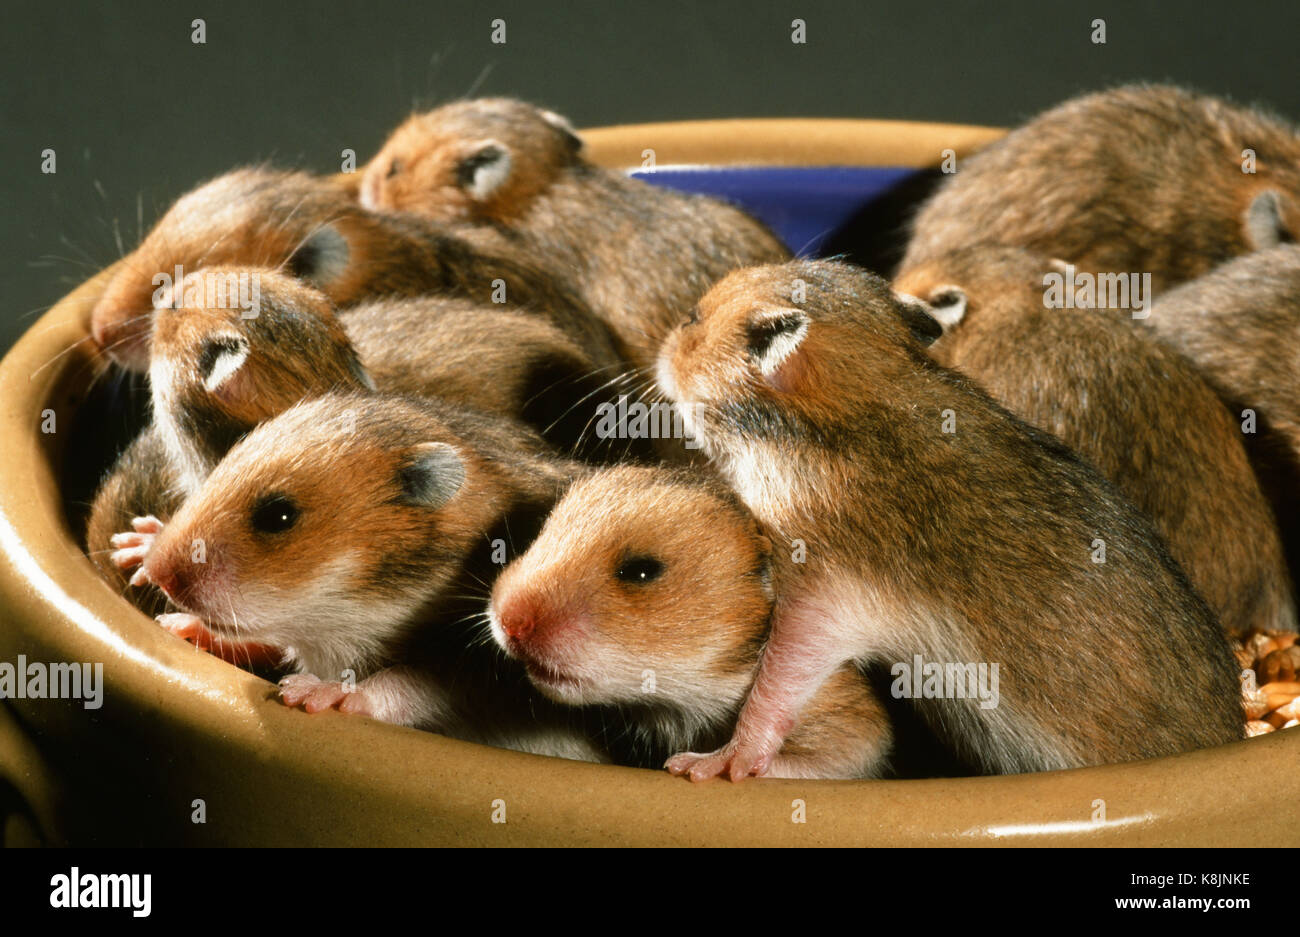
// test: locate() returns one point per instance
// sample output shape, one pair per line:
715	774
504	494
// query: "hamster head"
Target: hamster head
777	349
645	587
327	529
470	160
956	286
290	221
247	344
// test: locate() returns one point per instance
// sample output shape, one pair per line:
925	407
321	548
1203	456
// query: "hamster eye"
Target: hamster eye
693	317
639	570
274	514
394	168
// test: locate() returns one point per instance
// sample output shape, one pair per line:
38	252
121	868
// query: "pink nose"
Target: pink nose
121	335
518	621
168	579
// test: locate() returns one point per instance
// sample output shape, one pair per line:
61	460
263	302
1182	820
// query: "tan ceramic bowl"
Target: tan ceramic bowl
178	726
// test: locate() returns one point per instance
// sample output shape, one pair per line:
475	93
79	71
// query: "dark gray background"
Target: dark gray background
138	114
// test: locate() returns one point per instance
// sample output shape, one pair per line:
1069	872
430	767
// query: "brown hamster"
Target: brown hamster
514	173
649	590
313	228
936	528
219	369
1136	410
1141	178
1238	325
346	528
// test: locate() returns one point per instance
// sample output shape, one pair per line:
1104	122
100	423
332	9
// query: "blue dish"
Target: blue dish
807	206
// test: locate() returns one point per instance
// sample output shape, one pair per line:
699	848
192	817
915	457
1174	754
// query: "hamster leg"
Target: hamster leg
801	653
401	695
131	548
241	654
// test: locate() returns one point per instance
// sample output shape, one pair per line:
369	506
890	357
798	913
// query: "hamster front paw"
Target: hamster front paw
131	548
737	759
311	692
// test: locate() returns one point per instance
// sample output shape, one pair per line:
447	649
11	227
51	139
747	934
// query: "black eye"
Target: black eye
693	318
274	514
640	570
394	168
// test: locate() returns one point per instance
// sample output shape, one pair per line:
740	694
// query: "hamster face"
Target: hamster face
250	343
325	528
471	160
806	341
644	587
252	218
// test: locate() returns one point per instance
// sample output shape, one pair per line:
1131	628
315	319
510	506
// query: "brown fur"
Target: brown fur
970	546
640	255
313	228
505	361
1142	178
1137	411
696	629
1239	325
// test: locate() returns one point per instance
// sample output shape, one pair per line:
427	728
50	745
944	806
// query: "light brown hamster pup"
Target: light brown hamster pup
938	529
641	255
217	371
357	532
1136	410
312	228
1141	178
649	590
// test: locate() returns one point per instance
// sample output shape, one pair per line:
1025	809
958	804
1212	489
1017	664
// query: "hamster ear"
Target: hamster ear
917	317
432	475
566	130
482	171
946	305
774	335
220	359
1264	224
322	257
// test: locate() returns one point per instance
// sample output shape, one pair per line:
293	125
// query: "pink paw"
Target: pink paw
736	760
130	549
312	693
184	625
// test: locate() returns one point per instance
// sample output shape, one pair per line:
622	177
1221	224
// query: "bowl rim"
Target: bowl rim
343	780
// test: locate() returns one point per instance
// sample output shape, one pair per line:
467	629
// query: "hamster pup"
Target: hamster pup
354	531
1137	179
313	228
641	255
937	529
649	590
1136	410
